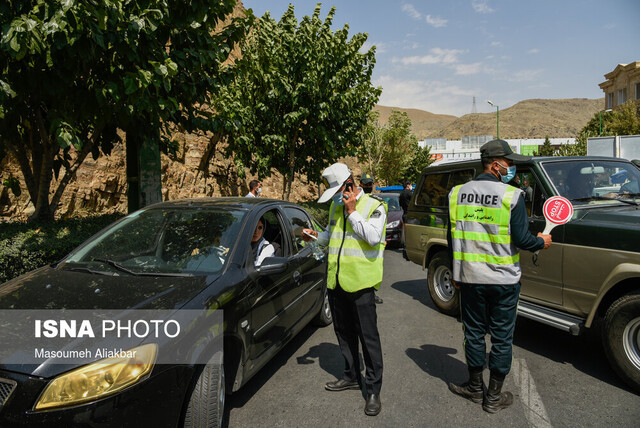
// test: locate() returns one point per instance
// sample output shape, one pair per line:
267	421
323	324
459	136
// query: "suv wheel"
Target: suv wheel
621	337
441	289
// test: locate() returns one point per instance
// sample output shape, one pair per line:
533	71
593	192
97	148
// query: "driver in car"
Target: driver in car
260	247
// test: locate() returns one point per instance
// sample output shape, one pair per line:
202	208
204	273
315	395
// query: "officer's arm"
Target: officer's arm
520	234
323	237
370	230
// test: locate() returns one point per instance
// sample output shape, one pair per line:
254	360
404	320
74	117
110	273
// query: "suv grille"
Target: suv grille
6	388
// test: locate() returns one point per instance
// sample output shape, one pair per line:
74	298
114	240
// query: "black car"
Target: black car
189	254
395	225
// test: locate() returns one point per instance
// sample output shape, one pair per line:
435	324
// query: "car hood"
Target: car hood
57	289
393	216
627	214
50	288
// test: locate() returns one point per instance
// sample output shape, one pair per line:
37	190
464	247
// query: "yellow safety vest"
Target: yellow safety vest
352	262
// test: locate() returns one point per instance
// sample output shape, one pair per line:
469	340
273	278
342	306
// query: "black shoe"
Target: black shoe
496	400
373	405
342	385
473	389
378	300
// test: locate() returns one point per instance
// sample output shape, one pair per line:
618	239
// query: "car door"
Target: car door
541	273
271	292
311	273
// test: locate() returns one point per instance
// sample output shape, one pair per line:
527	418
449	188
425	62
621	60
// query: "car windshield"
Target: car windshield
162	241
392	202
595	182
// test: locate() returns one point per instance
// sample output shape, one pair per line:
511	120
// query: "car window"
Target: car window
434	190
274	232
459	177
393	203
533	196
594	182
163	241
299	220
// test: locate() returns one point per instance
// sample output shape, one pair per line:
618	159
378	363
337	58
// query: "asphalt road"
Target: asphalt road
558	380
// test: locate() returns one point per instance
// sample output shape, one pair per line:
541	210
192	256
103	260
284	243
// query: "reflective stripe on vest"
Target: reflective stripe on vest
480	214
357	264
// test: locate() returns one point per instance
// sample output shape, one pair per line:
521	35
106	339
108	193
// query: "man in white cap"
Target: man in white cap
355	239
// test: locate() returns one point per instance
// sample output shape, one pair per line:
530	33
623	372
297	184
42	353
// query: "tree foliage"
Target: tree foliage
391	152
299	97
72	72
546	149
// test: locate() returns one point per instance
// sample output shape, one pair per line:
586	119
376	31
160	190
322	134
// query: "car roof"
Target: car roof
232	202
387	194
474	163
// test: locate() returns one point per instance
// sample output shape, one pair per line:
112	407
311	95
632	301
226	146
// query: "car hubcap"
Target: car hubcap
631	342
442	283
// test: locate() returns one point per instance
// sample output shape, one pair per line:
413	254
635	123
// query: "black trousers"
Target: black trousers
492	309
355	318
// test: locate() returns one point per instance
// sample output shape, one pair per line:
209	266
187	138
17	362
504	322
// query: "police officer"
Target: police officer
366	182
488	223
355	238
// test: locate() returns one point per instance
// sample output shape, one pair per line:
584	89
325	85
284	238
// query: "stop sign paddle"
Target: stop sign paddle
557	210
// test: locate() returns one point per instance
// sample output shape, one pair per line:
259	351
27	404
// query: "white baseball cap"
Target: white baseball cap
333	178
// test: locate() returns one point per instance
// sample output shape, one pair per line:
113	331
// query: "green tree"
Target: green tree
545	149
371	151
625	120
421	160
399	148
299	98
72	72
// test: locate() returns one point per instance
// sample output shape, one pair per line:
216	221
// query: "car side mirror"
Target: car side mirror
272	265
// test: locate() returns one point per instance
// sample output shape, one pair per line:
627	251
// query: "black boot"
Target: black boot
494	399
473	389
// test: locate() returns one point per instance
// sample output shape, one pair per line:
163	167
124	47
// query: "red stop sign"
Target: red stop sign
558	210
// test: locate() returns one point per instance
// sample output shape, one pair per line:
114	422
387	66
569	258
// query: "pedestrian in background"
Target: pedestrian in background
405	199
255	187
355	237
366	182
487	224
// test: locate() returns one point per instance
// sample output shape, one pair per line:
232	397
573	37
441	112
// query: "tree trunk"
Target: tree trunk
292	173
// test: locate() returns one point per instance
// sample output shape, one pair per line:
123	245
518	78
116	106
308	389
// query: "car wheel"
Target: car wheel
621	337
206	404
324	317
441	289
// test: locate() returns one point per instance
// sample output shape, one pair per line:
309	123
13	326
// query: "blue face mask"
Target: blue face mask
511	172
337	199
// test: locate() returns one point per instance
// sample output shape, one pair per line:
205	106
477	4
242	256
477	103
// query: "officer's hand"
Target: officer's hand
306	233
349	199
455	285
547	240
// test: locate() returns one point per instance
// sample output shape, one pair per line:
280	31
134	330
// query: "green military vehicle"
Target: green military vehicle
591	270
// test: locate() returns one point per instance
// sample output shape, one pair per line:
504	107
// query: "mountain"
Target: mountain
534	118
422	122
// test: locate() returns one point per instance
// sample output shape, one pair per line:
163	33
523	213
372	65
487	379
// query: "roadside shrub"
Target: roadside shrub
28	246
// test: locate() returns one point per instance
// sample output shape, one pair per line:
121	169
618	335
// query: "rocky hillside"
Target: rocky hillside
422	122
527	119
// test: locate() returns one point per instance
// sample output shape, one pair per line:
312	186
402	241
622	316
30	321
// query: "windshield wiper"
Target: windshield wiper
114	264
130	272
87	270
605	198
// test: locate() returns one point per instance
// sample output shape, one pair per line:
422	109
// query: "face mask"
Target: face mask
511	172
367	189
259	190
337	199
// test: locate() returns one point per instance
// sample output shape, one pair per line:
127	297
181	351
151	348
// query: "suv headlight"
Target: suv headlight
99	379
393	224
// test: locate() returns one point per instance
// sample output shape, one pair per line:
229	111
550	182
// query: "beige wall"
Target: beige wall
625	77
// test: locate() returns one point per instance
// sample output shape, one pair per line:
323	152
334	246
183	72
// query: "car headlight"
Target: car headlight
99	379
393	224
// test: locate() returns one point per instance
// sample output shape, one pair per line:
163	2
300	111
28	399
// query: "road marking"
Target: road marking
535	412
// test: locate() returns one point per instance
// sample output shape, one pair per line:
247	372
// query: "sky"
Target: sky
438	55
